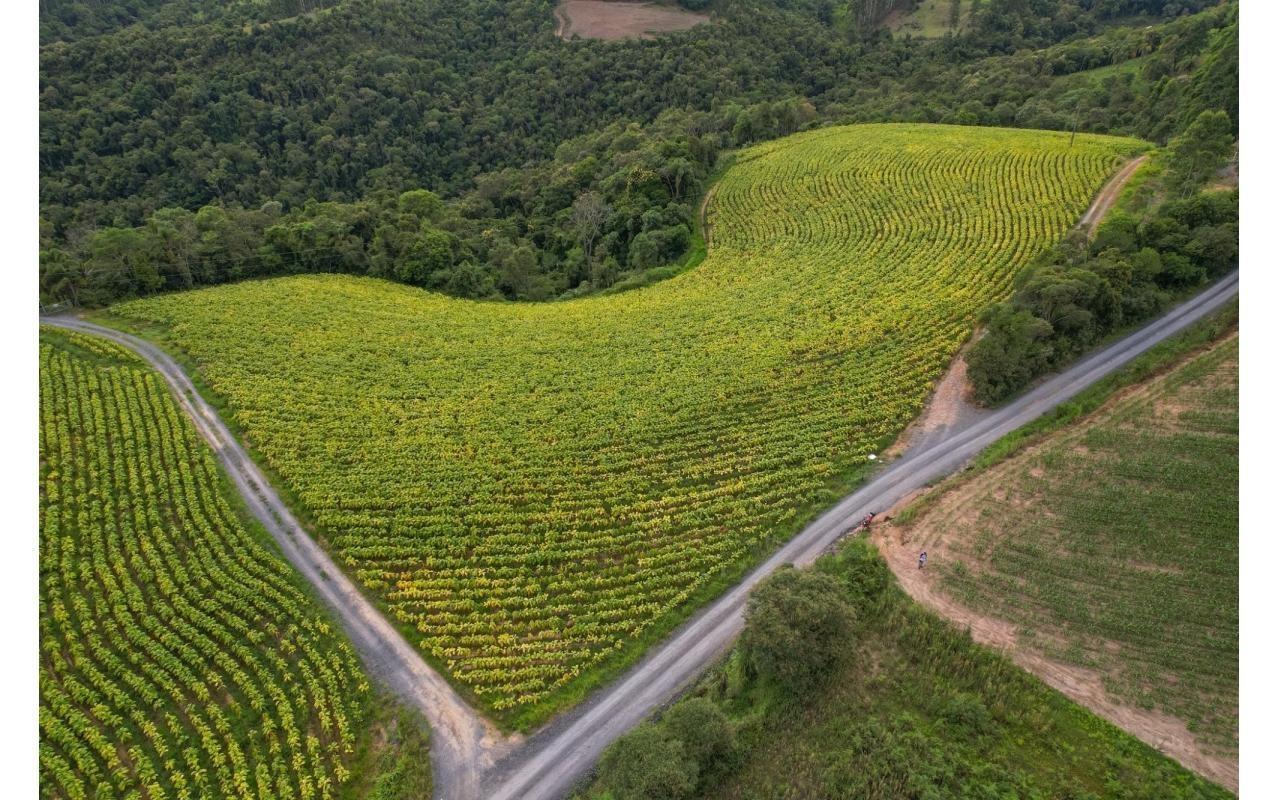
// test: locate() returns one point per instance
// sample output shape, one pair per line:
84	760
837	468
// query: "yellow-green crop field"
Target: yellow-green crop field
178	658
532	488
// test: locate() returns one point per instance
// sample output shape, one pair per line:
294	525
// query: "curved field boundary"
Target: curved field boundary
556	759
543	490
463	743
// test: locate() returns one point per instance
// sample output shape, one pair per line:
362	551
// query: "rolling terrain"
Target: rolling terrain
915	708
551	762
533	492
1106	558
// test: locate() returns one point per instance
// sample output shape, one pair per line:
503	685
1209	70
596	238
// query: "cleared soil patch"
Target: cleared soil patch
1105	559
598	19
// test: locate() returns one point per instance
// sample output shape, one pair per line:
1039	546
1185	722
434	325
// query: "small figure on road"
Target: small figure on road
866	521
923	558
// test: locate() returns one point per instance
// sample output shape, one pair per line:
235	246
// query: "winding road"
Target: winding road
553	761
463	743
470	758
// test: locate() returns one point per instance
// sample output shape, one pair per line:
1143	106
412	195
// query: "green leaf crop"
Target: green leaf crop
178	658
531	487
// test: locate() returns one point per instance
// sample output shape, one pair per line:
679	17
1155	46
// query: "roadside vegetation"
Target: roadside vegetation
1112	544
536	491
179	655
1168	238
900	704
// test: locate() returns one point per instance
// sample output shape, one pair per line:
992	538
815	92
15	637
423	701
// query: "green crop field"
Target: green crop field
915	709
177	656
1114	544
537	490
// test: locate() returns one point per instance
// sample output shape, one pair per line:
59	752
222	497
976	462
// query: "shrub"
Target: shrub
704	731
648	764
797	621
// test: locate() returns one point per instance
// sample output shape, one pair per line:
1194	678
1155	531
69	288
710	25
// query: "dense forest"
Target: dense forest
463	147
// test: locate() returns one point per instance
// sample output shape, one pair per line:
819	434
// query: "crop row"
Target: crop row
530	487
178	657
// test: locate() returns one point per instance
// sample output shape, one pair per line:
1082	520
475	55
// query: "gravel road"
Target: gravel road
463	743
554	760
470	758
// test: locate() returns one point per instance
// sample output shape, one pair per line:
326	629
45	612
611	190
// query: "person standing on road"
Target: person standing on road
923	558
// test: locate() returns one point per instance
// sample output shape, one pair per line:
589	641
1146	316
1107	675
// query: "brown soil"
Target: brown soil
949	407
598	19
901	546
1109	194
1165	733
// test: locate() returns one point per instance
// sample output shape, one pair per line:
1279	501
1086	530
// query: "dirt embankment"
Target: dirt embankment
901	546
599	19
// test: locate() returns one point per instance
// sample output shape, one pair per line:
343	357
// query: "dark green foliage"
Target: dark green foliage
796	624
1070	301
692	745
1200	150
1215	84
916	709
648	764
317	122
704	731
863	573
1016	347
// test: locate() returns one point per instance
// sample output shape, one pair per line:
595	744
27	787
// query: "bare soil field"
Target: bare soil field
600	19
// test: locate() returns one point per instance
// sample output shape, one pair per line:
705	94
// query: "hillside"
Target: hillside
909	707
179	655
235	150
536	491
1106	556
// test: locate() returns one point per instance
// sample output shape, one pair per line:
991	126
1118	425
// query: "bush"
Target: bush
648	764
797	622
969	713
863	572
1015	349
704	731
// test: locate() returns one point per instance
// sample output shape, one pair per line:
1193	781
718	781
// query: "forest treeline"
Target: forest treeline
1173	238
177	155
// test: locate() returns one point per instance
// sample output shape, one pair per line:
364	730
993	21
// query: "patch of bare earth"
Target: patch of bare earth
601	19
949	408
954	512
1165	733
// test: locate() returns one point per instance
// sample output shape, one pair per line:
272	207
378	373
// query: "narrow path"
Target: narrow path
556	758
702	216
463	743
1108	196
562	22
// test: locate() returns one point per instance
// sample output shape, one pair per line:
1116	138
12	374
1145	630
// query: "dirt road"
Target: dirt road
463	743
553	760
470	758
1107	197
